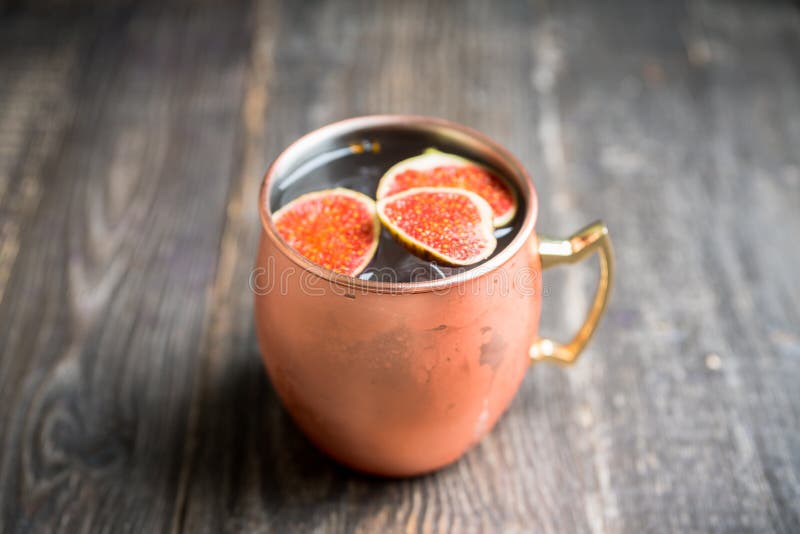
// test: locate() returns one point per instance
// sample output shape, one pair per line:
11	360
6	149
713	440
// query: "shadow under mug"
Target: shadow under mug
399	379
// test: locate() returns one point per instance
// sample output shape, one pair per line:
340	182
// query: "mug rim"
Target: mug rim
353	124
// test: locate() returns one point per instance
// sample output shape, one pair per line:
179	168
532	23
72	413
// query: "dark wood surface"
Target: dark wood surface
133	138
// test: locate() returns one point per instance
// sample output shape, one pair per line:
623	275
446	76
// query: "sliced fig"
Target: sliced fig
444	224
434	168
335	228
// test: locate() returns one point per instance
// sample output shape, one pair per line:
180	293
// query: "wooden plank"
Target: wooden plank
104	306
685	433
646	115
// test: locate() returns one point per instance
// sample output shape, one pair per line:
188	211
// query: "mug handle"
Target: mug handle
579	246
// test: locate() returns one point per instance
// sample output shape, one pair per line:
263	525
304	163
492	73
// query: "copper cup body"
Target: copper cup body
397	379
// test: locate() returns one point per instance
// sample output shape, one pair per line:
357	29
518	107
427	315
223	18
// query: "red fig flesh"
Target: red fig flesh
449	225
335	228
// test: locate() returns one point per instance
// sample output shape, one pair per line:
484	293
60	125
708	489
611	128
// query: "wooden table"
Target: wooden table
133	138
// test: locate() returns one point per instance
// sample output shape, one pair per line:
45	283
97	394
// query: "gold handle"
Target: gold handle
572	250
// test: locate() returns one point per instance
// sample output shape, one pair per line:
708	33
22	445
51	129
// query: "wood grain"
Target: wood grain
133	138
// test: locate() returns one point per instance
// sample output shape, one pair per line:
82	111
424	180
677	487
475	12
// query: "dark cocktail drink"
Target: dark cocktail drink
359	167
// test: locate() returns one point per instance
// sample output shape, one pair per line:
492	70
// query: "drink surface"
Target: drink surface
359	167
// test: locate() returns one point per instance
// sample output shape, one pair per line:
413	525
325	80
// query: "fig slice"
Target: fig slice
445	224
434	168
335	228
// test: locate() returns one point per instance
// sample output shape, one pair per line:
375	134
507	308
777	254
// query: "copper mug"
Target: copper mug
399	379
